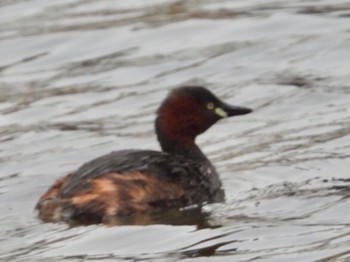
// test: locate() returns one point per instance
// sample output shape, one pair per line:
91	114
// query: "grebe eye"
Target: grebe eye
210	106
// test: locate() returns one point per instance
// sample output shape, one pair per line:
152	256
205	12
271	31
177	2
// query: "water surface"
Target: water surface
79	79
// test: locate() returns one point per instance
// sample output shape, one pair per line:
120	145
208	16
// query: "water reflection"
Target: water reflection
189	216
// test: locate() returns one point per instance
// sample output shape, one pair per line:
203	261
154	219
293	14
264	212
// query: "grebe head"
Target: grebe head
187	112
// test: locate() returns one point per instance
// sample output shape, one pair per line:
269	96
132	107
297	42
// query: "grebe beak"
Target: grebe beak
226	110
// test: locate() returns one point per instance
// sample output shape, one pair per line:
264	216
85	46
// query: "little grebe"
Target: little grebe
130	182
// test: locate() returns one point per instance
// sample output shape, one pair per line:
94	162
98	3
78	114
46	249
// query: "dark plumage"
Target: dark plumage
129	182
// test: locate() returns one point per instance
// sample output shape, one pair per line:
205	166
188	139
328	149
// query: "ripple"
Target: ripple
79	79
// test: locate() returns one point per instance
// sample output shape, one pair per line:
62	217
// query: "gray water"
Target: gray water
81	78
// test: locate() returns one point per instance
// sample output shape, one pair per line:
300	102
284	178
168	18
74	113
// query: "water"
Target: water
79	79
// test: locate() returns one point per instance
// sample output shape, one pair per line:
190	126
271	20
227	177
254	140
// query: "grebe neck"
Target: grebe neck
184	147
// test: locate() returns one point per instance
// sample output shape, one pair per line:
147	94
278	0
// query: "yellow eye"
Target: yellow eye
210	106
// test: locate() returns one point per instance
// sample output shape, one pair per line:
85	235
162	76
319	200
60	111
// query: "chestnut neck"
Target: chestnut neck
178	123
184	147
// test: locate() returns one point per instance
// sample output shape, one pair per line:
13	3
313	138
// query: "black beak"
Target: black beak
235	110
